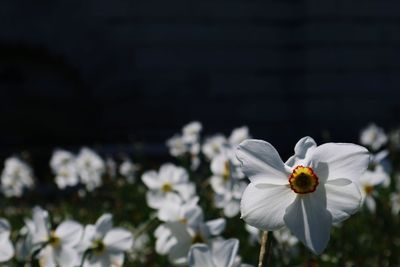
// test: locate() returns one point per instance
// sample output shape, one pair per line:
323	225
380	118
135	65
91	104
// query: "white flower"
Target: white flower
174	209
222	253
16	177
187	144
6	247
169	180
91	168
285	238
226	182
315	190
128	170
57	248
213	145
373	136
177	146
191	132
175	237
63	166
104	244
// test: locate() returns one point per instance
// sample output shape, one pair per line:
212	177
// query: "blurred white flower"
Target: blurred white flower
169	180
187	143
176	237
285	238
16	177
307	198
57	248
221	253
226	183
372	177
191	132
6	247
91	168
213	145
373	136
105	246
63	165
140	248
128	170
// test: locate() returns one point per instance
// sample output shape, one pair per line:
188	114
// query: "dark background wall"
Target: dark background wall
76	72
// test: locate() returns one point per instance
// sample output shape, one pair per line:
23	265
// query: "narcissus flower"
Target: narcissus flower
315	188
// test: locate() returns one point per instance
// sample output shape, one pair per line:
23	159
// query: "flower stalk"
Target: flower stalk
263	248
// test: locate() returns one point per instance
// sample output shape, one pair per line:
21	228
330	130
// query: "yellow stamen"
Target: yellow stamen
303	180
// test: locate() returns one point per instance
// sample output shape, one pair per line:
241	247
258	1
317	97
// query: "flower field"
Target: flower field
216	202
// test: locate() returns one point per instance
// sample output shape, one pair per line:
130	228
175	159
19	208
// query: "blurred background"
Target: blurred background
122	72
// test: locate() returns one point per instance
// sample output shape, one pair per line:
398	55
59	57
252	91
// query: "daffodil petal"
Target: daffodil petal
340	161
118	239
225	251
303	146
264	206
342	201
200	256
262	163
310	221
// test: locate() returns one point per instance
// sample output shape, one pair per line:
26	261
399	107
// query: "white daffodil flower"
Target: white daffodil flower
316	188
128	170
91	168
175	237
174	209
221	253
57	248
213	146
187	143
6	247
226	183
63	165
104	246
16	177
169	180
373	136
191	132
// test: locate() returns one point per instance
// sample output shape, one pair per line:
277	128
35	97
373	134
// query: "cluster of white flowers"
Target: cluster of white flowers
187	143
16	177
299	199
69	244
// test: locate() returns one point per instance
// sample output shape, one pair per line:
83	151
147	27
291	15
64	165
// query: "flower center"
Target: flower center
98	247
227	171
368	189
167	187
54	240
303	180
197	238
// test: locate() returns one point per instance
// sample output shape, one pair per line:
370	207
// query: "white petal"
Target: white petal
301	151
215	227
261	162
232	208
225	252
7	249
151	180
66	257
118	240
310	221
70	232
200	256
264	206
340	161
371	204
104	224
342	201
